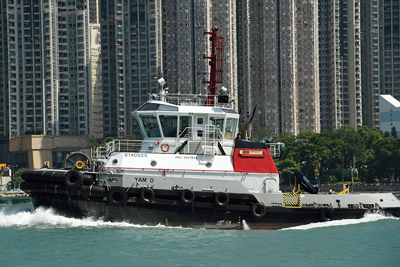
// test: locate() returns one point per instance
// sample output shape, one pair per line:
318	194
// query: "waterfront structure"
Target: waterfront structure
47	68
340	64
389	113
278	64
131	46
96	106
380	56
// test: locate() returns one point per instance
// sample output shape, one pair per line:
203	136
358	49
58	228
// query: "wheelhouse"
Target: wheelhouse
168	123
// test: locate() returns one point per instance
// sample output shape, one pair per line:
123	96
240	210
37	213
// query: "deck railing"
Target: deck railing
190	143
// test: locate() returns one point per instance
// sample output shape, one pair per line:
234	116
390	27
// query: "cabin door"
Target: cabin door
199	126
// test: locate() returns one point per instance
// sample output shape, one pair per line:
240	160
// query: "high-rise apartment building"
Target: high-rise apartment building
94	11
278	64
185	44
33	68
340	64
131	46
47	66
4	89
380	55
224	18
96	106
143	41
73	67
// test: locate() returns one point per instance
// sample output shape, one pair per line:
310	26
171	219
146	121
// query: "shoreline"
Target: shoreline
20	194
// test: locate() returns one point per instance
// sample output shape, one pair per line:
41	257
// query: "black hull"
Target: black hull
194	215
74	194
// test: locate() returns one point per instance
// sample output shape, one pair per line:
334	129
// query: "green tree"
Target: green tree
2	170
370	136
287	165
17	178
105	141
394	132
261	133
327	179
355	148
386	134
93	142
288	152
385	161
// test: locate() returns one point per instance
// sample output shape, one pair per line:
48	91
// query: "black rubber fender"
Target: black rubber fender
325	214
258	211
73	180
93	191
117	196
147	194
187	196
221	199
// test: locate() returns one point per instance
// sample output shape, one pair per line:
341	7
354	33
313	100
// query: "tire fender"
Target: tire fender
117	196
147	195
326	214
73	180
221	199
258	211
187	196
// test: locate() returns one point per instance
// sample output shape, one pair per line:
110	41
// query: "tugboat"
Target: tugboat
193	168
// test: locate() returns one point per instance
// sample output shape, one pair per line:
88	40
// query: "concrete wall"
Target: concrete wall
5	180
40	147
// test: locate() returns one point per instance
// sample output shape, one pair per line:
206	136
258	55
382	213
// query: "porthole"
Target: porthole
114	162
208	164
153	163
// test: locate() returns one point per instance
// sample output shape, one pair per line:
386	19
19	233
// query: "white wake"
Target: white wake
368	217
46	217
245	225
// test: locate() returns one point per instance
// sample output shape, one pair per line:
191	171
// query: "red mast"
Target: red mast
216	63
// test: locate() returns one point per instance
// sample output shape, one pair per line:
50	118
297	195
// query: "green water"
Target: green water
43	238
15	200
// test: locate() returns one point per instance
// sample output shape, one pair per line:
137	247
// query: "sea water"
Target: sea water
43	238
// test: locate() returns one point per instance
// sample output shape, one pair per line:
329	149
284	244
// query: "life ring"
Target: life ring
326	214
73	180
164	149
258	211
147	194
221	199
117	196
187	196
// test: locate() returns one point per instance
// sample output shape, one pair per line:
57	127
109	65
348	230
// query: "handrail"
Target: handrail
212	135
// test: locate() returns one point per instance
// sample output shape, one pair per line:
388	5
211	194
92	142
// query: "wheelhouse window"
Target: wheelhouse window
185	124
155	106
230	128
150	124
169	125
148	106
218	124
